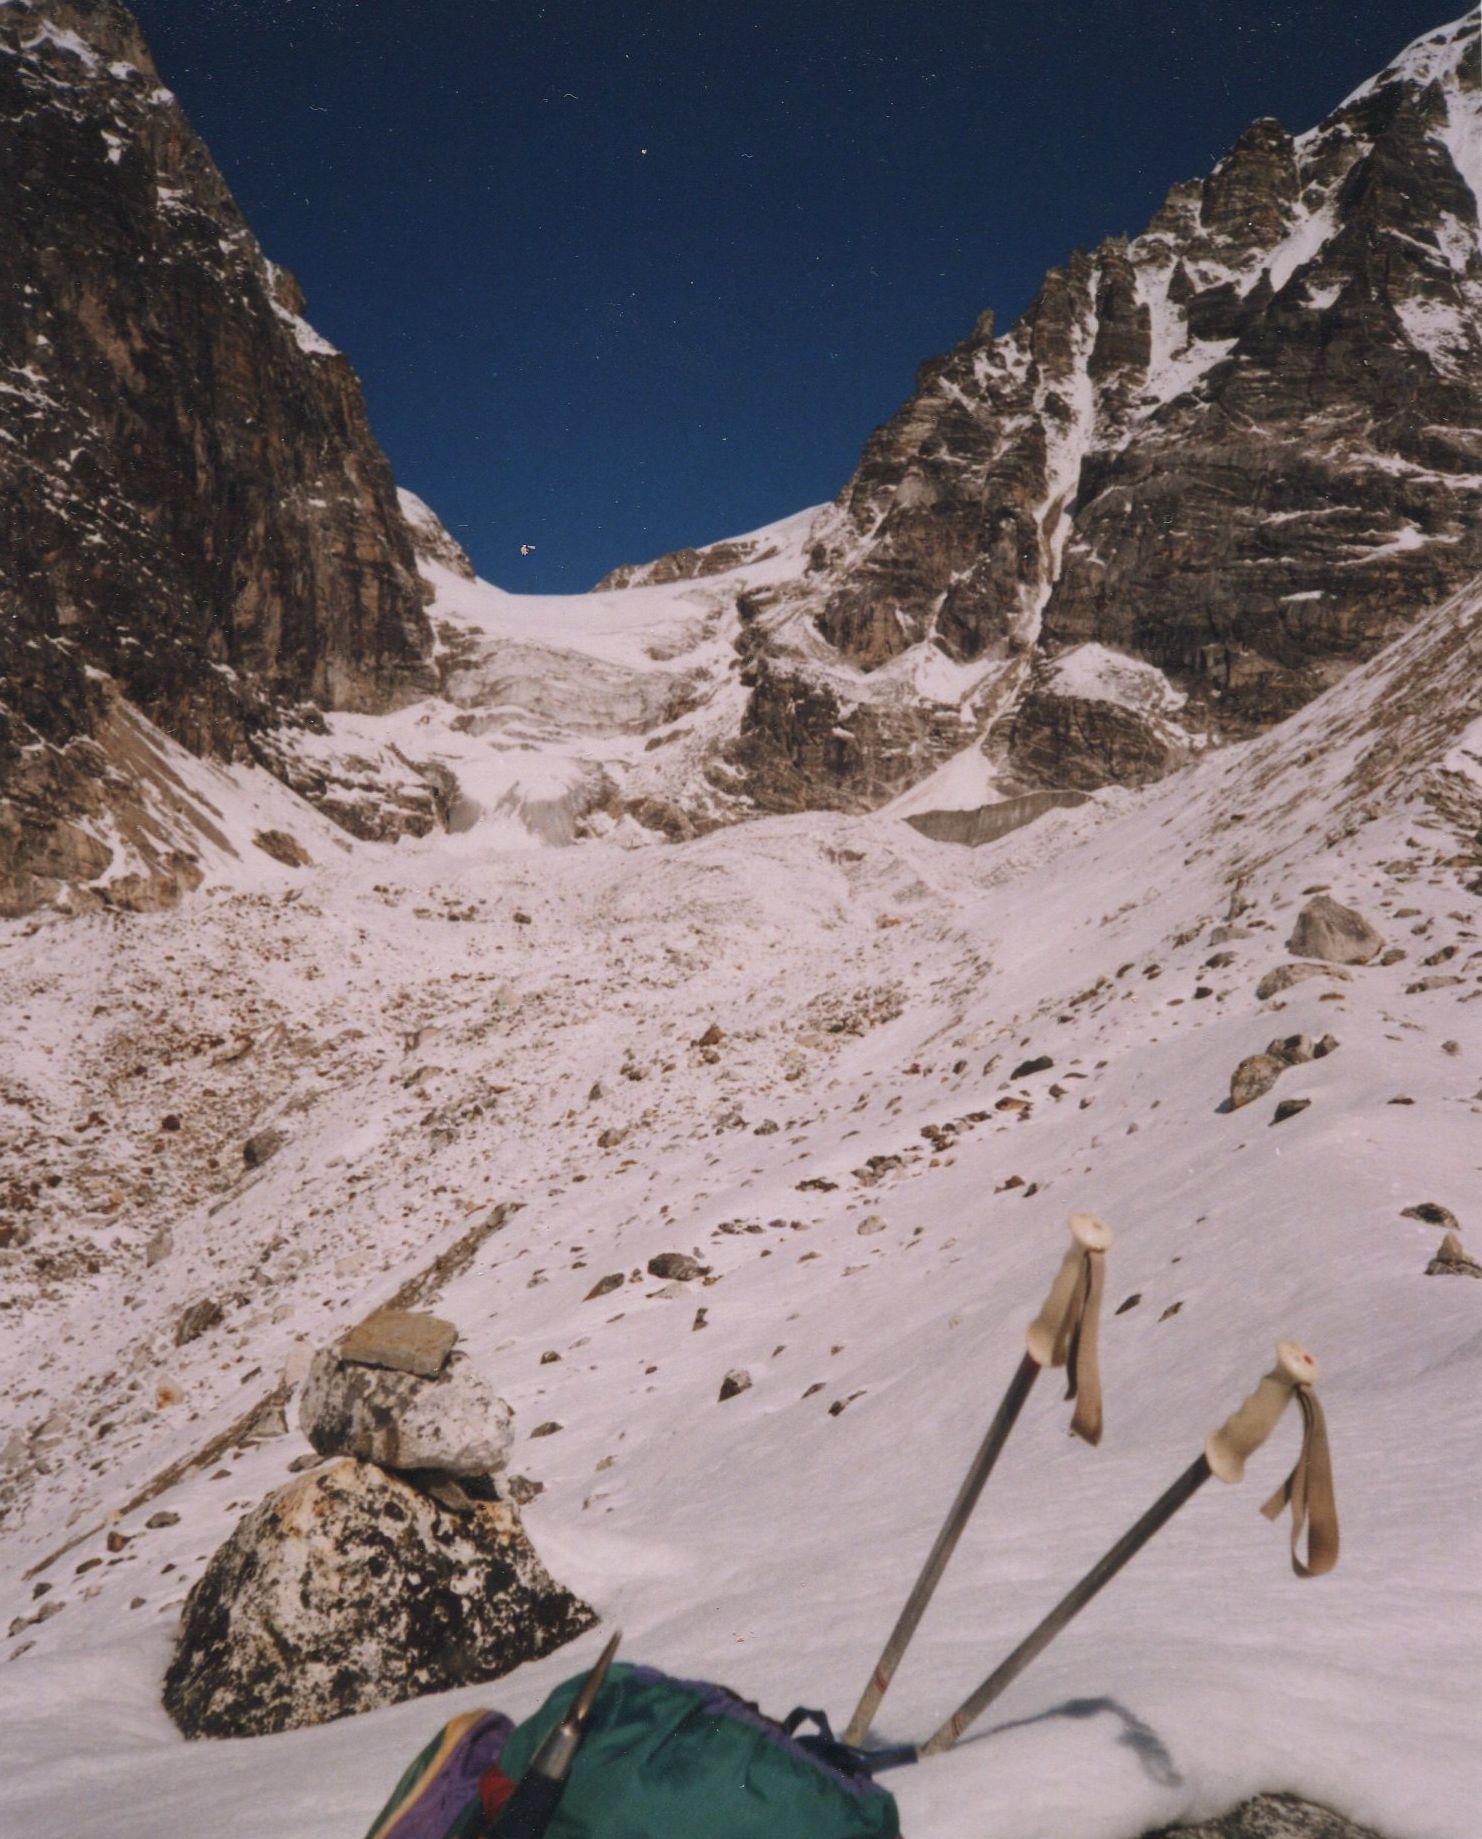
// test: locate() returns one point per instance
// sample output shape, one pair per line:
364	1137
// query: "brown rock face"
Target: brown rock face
1070	741
191	502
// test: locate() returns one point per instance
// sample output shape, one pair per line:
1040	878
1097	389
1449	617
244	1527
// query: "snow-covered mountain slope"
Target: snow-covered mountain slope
443	1029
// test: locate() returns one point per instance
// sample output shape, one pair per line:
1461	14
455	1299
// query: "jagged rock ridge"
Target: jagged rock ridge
1244	449
194	517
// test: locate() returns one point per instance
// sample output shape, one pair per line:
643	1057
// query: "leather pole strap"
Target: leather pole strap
1308	1490
1080	1333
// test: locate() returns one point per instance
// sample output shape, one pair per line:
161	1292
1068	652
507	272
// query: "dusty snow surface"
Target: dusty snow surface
426	1024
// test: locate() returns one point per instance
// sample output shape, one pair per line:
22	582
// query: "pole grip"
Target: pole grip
1048	1339
1242	1434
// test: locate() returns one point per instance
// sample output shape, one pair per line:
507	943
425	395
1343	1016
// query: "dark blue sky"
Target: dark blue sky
621	275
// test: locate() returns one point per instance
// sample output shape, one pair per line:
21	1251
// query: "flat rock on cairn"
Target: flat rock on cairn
402	1339
349	1589
1334	933
392	1412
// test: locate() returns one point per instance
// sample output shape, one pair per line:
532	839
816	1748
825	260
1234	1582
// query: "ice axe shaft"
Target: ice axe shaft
1049	1339
1225	1453
531	1808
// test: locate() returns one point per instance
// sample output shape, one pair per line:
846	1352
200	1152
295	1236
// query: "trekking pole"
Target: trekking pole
528	1812
1308	1489
1064	1332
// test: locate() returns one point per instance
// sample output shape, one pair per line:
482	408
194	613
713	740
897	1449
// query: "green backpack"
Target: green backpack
666	1758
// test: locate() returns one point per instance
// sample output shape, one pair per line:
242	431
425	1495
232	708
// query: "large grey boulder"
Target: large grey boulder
350	1589
1334	933
403	1421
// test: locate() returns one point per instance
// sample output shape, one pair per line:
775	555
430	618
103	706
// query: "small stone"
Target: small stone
1327	1045
402	1340
548	1429
1451	1047
263	1147
871	1223
159	1247
596	1092
1431	1213
522	1490
197	1320
1286	975
1131	1303
1289	1107
157	1521
712	1037
604	1286
676	1266
611	1137
268	1424
116	1541
737	1380
767	1128
172	1122
1041	1064
1396	954
1451	1261
1172	1309
1292	1050
283	847
521	918
700	1320
1253	1078
549	1357
309	1460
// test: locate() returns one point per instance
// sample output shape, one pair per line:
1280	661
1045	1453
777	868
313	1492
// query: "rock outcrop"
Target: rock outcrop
350	1589
1222	462
194	517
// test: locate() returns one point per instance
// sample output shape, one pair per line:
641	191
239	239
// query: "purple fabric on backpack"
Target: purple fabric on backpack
454	1782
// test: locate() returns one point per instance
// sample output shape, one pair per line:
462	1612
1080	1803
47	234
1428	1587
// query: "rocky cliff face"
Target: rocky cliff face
194	517
1244	449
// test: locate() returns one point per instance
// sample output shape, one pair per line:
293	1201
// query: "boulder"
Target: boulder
1253	1078
403	1421
1272	1816
1337	934
349	1589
